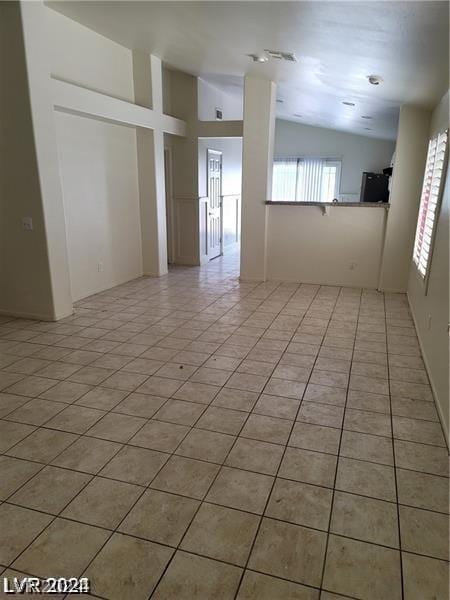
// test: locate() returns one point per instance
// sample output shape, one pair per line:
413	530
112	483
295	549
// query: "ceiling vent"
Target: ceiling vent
279	55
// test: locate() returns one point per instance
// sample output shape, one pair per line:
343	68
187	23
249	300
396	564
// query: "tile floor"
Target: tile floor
193	437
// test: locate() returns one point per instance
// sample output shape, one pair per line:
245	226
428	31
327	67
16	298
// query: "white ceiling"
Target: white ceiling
337	45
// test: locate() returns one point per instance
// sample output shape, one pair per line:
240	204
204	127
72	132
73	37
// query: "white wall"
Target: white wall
435	304
358	153
87	58
98	166
340	248
210	98
98	162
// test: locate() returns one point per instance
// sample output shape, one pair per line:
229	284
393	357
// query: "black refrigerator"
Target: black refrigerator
374	187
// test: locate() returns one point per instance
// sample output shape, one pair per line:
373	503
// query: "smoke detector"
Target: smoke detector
375	79
348	103
280	55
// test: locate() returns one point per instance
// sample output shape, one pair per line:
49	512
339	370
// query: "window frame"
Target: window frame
424	279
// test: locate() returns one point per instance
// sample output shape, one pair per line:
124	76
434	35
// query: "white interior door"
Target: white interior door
214	203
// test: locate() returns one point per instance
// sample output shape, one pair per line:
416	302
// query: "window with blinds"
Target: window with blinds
429	202
305	179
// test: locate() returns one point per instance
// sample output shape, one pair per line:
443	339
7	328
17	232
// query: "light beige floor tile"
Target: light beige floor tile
424	532
75	419
222	420
424	578
367	422
363	383
256	586
124	380
135	465
267	429
365	519
416	430
102	398
236	399
116	427
315	437
180	412
309	467
35	412
289	551
368	402
87	454
221	533
241	489
202	393
370	369
422	490
158	435
420	457
64	549
51	489
284	388
253	455
66	391
276	406
255	367
140	405
9	402
324	394
91	375
321	414
206	445
415	391
186	476
363	446
103	502
160	517
19	526
160	386
414	409
330	378
43	445
346	570
366	479
205	578
300	503
127	568
14	473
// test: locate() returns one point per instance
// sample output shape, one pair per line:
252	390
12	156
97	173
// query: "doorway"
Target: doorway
214	192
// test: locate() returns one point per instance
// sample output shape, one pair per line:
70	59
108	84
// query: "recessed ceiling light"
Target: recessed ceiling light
280	100
375	79
259	58
368	128
349	103
297	115
366	117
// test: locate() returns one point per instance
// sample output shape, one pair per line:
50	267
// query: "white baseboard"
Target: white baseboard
428	370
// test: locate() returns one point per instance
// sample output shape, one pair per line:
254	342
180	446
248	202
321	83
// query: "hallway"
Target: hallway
204	438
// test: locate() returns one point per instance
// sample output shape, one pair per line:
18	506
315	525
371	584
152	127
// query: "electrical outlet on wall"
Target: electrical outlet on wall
429	323
100	267
27	223
353	266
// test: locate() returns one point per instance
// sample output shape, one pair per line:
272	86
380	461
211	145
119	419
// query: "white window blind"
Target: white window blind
429	202
305	179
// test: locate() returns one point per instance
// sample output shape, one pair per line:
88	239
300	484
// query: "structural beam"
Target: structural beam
78	100
222	129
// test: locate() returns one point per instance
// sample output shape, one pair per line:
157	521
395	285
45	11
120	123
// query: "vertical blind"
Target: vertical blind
429	202
305	179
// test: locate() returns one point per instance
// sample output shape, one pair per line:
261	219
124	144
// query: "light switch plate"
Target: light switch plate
27	223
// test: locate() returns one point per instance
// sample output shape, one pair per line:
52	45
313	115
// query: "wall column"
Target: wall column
257	162
34	274
147	73
409	164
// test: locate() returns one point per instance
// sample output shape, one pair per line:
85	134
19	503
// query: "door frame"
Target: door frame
168	182
220	153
